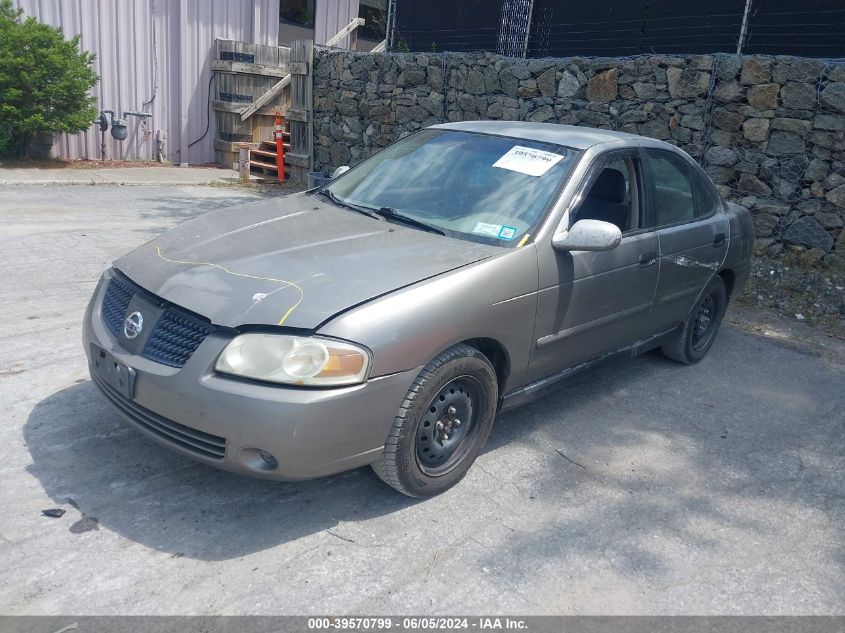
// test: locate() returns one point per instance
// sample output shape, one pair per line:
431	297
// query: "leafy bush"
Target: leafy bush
45	81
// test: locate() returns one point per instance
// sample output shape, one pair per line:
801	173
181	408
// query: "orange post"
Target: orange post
280	146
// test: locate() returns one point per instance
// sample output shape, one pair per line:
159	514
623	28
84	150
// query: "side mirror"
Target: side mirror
588	235
340	170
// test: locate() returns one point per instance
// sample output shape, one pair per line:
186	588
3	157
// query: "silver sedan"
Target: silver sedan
386	318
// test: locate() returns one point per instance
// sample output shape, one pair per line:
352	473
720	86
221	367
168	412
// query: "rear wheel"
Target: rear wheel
694	339
442	424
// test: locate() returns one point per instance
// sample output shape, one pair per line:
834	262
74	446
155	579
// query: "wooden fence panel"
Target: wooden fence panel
301	101
243	72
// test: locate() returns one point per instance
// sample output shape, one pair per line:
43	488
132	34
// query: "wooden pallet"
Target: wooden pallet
262	161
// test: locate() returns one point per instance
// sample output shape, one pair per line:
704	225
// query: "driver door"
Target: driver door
591	303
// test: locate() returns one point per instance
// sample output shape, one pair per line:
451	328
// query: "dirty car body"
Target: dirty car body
403	267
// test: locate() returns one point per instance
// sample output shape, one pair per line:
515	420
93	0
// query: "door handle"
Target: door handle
718	240
647	259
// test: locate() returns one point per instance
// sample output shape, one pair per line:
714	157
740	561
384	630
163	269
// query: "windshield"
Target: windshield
485	188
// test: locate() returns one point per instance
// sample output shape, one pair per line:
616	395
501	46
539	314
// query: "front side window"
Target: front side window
680	194
484	188
613	195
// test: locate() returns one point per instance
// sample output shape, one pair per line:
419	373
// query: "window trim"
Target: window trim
603	160
652	196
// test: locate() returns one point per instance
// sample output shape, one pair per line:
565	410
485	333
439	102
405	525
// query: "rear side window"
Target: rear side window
680	194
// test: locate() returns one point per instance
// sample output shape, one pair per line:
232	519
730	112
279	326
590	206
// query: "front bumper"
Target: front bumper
226	422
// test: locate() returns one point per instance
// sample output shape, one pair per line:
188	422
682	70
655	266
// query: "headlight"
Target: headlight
294	360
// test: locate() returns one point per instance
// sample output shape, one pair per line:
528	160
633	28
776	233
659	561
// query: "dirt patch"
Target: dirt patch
268	188
802	336
799	293
84	163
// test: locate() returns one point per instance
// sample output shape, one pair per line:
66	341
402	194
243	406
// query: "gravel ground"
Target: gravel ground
799	292
642	487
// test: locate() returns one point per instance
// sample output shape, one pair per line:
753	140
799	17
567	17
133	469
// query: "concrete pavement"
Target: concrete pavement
643	487
161	176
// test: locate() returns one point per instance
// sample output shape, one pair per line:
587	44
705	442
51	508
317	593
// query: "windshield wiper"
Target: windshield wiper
392	214
384	213
341	203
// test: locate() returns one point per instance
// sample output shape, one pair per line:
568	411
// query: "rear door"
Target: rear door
686	213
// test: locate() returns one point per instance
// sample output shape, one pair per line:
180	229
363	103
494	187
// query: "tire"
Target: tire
694	339
430	448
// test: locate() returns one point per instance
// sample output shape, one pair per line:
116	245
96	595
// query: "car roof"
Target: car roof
566	135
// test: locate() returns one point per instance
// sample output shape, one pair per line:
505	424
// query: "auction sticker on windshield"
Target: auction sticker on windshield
485	228
526	160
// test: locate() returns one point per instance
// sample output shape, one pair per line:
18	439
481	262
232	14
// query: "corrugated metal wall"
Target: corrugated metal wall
154	55
330	16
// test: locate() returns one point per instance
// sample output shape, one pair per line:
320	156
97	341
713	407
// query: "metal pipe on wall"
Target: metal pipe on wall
744	28
528	28
184	90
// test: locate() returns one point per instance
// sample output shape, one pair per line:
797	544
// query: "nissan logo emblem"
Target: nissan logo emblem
133	325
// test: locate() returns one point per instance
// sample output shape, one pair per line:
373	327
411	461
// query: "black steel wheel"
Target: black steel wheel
704	324
445	432
442	424
695	336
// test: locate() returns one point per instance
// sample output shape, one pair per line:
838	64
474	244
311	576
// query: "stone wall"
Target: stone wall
769	130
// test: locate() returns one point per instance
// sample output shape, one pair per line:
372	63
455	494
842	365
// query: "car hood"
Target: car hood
294	261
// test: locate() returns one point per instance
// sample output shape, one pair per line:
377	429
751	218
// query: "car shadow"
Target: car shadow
106	474
562	450
96	467
649	463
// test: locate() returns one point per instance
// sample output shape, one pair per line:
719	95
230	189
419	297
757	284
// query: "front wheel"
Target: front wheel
442	424
694	339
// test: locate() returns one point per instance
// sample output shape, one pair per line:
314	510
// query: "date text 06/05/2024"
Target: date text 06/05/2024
422	623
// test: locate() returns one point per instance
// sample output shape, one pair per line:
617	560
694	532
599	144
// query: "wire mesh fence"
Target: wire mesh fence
770	132
447	25
625	27
612	28
772	138
812	28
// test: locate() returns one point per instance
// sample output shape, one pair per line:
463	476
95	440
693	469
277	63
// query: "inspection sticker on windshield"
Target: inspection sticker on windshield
526	160
494	230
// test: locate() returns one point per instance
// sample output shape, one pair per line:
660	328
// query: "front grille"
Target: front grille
197	442
115	304
175	336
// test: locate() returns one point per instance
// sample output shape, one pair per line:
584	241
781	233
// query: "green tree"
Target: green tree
45	81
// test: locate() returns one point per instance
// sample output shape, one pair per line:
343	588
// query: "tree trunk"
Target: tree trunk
39	145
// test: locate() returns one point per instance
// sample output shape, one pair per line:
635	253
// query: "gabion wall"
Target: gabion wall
770	131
